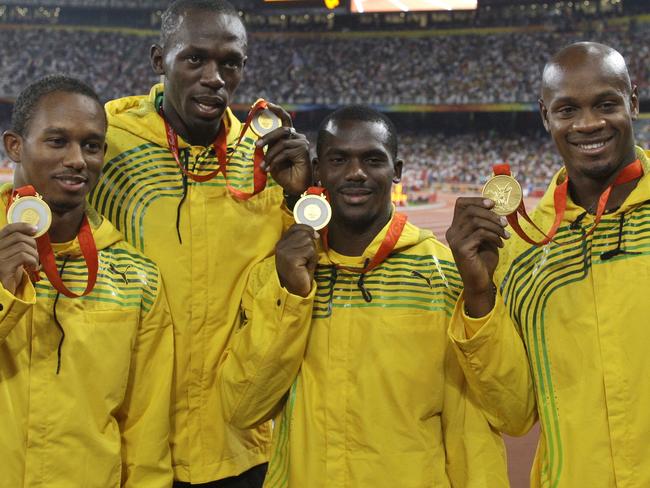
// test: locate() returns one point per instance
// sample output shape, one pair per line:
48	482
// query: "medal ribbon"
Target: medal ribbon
220	149
46	254
318	190
385	249
631	172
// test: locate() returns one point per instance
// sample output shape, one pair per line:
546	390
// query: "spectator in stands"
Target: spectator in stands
473	68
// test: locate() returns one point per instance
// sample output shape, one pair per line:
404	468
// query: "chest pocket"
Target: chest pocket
101	344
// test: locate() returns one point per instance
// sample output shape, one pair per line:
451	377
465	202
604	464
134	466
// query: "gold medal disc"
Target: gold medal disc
31	210
505	192
312	210
264	122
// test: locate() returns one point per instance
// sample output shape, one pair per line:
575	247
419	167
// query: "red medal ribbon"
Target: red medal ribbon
318	190
385	249
629	173
220	149
46	254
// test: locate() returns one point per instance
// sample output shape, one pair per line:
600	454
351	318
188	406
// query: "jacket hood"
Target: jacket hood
411	235
640	193
138	115
104	233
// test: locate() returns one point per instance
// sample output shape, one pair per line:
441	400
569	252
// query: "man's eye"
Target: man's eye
194	59
566	111
232	64
56	141
93	147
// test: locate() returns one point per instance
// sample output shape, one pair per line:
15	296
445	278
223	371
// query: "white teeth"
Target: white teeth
588	147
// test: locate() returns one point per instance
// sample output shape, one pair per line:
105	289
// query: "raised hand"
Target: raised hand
17	251
475	236
296	259
287	155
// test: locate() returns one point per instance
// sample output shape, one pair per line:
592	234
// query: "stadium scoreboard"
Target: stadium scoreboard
370	6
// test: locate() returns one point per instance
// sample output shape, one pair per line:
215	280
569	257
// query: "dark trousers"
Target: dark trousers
253	478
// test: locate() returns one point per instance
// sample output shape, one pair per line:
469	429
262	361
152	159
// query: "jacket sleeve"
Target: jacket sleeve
13	307
474	451
266	351
496	367
145	413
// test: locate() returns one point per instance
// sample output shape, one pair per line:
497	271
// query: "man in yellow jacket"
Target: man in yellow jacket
347	347
578	300
184	188
85	381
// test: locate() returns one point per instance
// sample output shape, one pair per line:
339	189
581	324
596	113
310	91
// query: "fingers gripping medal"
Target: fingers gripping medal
313	209
32	210
505	192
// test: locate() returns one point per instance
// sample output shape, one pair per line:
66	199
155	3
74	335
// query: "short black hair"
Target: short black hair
28	99
361	113
170	17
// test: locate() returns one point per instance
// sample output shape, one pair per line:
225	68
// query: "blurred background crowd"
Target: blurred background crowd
461	88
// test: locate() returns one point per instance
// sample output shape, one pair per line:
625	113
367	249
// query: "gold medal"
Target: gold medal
264	122
31	210
505	192
312	210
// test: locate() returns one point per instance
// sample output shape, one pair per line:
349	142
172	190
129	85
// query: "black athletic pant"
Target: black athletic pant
253	478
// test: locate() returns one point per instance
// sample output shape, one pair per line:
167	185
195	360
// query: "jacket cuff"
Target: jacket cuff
13	306
481	328
288	303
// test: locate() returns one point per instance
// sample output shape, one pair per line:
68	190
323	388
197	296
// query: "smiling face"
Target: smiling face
588	107
356	166
61	150
203	61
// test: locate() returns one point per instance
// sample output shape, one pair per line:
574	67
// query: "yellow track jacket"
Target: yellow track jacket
204	266
103	421
366	393
581	309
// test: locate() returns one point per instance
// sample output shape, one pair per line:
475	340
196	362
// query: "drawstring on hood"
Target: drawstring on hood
367	296
56	321
617	250
186	156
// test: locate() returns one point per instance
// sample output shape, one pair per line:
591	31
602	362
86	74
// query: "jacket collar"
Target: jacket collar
410	236
139	116
640	194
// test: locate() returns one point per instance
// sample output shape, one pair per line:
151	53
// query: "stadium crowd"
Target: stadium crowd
440	69
432	160
437	69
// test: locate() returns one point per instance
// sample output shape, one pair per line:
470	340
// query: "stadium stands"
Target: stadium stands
445	70
327	69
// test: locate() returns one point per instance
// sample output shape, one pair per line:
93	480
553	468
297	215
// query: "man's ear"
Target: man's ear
156	59
13	143
634	103
544	113
399	164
